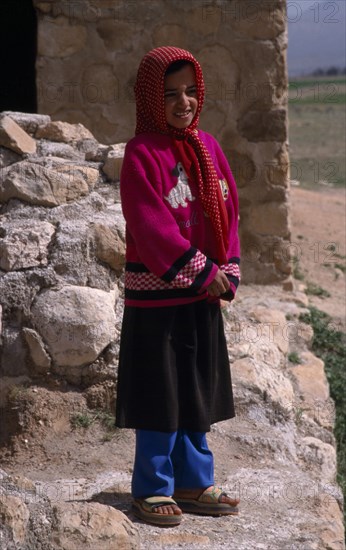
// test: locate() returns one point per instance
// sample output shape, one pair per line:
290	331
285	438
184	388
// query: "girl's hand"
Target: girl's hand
219	285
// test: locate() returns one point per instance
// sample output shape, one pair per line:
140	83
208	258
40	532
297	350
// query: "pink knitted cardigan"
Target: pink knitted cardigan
170	242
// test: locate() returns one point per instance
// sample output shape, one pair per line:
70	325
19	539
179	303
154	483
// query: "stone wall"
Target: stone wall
88	54
61	250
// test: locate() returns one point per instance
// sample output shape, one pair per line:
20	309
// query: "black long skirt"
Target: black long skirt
174	370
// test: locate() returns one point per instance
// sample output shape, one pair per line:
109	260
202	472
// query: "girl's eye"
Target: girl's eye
190	92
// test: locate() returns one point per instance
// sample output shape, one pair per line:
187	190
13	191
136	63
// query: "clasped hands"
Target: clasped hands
219	285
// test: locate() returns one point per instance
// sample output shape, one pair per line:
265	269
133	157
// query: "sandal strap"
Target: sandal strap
212	495
151	503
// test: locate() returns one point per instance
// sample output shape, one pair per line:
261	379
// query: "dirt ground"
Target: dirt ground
318	220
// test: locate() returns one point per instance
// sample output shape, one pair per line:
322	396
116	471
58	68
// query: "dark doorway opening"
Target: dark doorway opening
18	45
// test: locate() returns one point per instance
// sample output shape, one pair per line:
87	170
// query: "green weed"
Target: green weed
315	290
342	267
81	420
84	419
16	391
294	358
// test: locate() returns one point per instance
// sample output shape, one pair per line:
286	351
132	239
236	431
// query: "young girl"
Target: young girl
180	203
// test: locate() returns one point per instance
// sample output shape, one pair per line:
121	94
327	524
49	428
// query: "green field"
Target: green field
317	131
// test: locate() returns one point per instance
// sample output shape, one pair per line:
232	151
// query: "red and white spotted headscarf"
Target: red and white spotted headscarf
150	111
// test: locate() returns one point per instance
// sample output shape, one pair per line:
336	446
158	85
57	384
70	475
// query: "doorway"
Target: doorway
18	45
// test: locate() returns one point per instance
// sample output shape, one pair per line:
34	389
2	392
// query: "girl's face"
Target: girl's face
181	97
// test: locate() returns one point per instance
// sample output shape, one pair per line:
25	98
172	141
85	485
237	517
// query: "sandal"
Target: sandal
208	503
144	508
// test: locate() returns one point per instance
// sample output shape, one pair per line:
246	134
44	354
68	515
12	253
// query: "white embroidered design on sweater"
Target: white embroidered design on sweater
224	188
181	192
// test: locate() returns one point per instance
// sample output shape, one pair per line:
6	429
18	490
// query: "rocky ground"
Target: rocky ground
66	474
278	453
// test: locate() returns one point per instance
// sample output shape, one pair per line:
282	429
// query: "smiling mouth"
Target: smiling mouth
183	114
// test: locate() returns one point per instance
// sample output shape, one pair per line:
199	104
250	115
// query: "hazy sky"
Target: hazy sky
294	6
316	35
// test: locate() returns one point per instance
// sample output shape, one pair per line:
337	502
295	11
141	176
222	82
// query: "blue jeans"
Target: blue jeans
166	461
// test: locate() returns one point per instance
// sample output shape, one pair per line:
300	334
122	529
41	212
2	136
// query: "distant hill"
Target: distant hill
316	35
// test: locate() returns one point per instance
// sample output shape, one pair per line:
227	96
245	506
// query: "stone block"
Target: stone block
109	246
71	170
100	83
93	526
37	350
24	243
250	19
8	157
263	379
13	137
330	521
113	162
57	149
274	326
264	125
35	184
270	218
243	167
98	154
59	38
63	132
75	323
324	455
313	389
29	122
14	515
112	32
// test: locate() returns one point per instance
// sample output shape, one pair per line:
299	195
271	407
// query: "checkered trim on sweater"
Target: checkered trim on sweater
144	281
187	275
231	269
136	279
